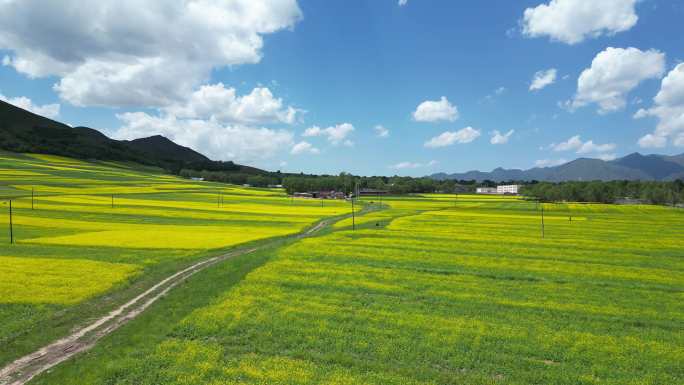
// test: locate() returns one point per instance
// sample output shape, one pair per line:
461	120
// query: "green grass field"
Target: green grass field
433	289
76	256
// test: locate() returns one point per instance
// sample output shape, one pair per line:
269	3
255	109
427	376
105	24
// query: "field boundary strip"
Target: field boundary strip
23	369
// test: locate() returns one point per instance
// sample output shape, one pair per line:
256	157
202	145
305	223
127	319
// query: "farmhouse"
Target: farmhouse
372	192
324	194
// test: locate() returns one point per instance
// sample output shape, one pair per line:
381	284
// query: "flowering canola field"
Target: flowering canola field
432	290
96	233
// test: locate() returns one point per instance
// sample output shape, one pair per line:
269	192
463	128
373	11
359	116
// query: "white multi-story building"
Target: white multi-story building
511	189
486	190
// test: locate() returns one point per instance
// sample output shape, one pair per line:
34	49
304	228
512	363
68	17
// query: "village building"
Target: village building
486	190
511	189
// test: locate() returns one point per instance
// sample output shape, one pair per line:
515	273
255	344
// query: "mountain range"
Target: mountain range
631	167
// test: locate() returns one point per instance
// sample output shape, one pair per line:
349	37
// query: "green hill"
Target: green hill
25	132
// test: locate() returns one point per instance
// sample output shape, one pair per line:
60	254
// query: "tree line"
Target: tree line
660	193
593	191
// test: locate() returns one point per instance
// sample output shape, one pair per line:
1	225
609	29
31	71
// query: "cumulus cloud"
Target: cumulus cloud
219	123
304	147
335	134
499	138
381	131
542	79
550	162
403	2
436	110
572	21
112	53
448	138
47	110
615	72
221	103
576	144
668	108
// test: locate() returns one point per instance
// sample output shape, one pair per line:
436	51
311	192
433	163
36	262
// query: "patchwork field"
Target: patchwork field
89	235
433	290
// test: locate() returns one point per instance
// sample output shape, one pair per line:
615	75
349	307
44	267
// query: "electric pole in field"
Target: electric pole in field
112	200
354	195
542	219
10	223
32	195
353	215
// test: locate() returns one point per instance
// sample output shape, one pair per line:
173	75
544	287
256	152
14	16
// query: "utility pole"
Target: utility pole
542	219
112	200
32	195
218	199
11	226
353	215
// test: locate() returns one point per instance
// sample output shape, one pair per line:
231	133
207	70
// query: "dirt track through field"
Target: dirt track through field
23	369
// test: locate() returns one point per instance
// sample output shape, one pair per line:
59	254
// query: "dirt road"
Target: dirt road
25	368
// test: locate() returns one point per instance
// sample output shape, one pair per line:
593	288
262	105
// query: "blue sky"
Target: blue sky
320	76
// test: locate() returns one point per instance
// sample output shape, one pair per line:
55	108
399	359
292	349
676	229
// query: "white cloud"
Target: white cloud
668	109
303	148
413	165
381	131
50	111
679	140
405	165
313	131
217	122
652	141
499	138
402	2
607	157
113	53
576	144
435	110
572	21
335	134
542	79
549	162
614	72
221	103
448	138
497	92
590	147
218	141
573	143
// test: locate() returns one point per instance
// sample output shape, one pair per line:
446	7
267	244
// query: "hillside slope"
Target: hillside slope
25	132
